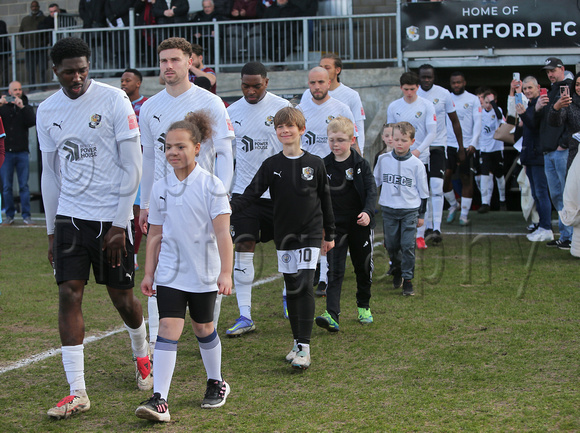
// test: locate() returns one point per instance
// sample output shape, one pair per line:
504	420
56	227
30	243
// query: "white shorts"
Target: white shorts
290	261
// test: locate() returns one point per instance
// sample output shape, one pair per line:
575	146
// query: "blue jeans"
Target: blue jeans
539	186
555	167
16	161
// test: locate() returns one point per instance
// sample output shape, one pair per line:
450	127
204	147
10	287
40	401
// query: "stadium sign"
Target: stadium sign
503	24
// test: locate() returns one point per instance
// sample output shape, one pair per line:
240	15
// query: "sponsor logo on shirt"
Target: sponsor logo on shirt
249	144
95	121
76	152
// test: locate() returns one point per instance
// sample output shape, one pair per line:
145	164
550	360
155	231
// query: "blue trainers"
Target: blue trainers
242	326
452	214
285	307
327	322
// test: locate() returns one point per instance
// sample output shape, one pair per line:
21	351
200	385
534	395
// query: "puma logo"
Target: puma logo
279	174
57	124
158	117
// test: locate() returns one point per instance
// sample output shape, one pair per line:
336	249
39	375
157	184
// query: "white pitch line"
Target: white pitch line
53	352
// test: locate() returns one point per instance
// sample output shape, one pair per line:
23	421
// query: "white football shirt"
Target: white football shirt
351	98
443	105
189	258
161	110
256	138
315	139
468	108
86	133
403	183
421	115
489	124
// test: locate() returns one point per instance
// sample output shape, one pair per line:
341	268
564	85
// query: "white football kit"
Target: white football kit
443	105
468	108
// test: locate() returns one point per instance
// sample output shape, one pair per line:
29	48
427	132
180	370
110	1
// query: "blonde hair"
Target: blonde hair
341	124
406	129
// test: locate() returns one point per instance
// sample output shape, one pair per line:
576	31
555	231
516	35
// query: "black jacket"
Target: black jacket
17	122
551	136
364	183
532	152
92	13
181	10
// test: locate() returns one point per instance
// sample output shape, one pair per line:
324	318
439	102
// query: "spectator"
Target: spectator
172	12
63	21
570	213
117	13
532	158
18	117
223	7
4	55
35	54
146	43
197	68
554	144
566	111
204	34
244	9
92	13
2	154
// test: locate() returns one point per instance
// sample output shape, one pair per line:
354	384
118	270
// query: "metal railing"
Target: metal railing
287	43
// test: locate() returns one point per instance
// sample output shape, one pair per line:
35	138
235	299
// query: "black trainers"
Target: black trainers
320	289
428	233
435	237
532	227
397	281
154	409
484	208
553	243
563	245
408	288
215	394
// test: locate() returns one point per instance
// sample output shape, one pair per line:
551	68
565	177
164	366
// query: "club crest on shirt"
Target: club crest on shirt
269	121
418	114
329	119
232	232
466	106
348	174
435	101
95	121
307	173
286	258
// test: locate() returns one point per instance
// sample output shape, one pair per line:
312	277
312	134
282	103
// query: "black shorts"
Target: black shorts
436	162
173	302
78	244
492	162
255	223
469	166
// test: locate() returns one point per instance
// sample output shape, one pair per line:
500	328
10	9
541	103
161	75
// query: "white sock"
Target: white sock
465	206
243	279
216	310
73	360
501	187
437	202
478	181
135	258
429	213
323	269
138	337
210	348
450	197
486	188
153	313
421	231
164	365
284	288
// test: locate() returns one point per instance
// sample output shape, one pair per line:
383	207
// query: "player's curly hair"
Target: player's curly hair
406	129
198	124
178	43
69	48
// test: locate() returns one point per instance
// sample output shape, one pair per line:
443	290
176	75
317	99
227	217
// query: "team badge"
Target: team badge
329	119
269	121
466	106
286	258
348	174
413	33
418	114
435	101
232	231
307	173
95	121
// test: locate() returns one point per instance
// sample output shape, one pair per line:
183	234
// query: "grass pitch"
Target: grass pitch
489	343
